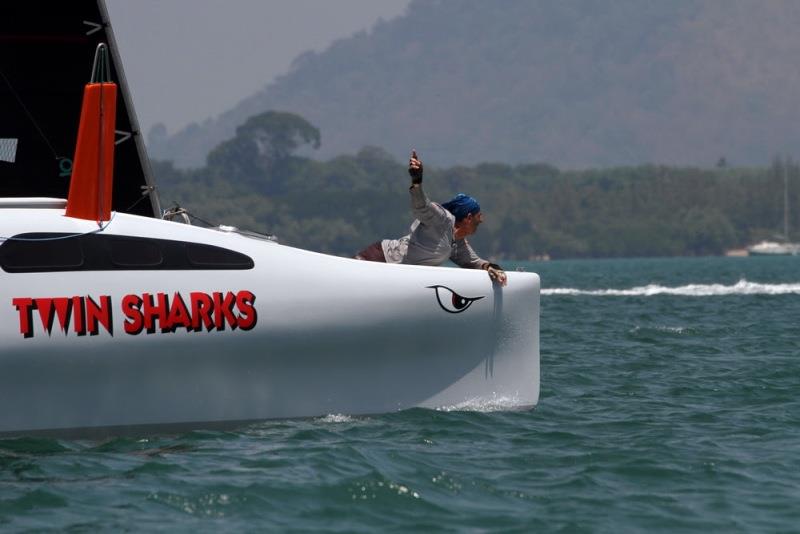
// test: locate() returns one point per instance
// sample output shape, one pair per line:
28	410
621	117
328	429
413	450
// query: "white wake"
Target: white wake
742	287
494	403
335	418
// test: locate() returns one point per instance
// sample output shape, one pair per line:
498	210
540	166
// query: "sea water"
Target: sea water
669	403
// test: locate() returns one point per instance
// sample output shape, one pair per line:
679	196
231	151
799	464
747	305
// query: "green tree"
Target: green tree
262	150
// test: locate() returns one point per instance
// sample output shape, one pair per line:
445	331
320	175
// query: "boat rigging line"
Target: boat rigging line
61	237
31	117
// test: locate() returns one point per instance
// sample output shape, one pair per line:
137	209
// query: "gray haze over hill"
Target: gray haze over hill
187	60
573	83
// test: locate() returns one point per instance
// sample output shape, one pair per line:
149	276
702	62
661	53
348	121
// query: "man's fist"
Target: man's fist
415	168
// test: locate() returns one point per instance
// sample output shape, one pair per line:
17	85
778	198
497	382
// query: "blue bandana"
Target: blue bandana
462	205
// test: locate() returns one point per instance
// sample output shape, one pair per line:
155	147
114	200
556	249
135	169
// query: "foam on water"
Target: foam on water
335	418
483	404
742	287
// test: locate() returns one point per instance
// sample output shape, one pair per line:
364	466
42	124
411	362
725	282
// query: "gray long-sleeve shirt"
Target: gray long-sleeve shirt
432	240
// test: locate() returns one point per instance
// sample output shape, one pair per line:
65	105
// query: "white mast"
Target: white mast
786	201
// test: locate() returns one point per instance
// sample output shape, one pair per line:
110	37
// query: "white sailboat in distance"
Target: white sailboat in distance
784	247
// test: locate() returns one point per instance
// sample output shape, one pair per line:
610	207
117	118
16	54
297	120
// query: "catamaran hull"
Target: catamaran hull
298	334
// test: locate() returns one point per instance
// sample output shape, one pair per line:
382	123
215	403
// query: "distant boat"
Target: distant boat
783	247
774	248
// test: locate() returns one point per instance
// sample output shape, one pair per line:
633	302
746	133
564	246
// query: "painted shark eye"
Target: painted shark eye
452	302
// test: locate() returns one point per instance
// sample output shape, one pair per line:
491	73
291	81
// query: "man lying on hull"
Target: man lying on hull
439	232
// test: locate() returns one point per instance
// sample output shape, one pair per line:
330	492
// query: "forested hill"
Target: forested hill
574	83
255	181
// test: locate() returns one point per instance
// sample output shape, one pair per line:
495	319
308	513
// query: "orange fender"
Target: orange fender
93	170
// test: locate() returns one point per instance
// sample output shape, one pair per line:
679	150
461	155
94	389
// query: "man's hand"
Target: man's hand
497	274
415	168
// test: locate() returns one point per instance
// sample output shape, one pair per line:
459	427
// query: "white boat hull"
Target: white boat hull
314	334
771	248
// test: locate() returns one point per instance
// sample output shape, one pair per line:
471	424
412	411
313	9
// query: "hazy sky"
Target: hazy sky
187	60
